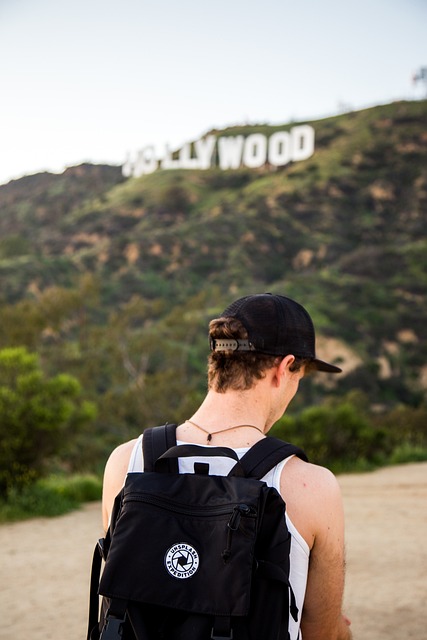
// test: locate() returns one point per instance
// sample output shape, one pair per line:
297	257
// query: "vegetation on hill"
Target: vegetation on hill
113	280
37	417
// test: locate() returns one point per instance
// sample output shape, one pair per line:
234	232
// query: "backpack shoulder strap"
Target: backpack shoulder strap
265	454
155	442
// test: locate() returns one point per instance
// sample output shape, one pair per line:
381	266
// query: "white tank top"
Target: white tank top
300	551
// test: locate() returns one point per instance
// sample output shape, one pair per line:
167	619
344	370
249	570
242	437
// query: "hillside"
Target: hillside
89	260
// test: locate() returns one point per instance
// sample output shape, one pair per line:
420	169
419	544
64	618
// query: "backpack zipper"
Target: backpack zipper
235	511
233	525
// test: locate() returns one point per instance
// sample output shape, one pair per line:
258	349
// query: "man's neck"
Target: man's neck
233	408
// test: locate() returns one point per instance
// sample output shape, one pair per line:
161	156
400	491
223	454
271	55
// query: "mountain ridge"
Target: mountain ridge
344	232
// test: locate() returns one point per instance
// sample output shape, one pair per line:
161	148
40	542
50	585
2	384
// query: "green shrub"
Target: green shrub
34	501
53	496
405	424
78	488
38	415
339	437
408	453
343	437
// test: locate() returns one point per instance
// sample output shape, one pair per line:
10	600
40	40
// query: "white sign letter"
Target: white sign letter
204	150
185	159
127	168
145	162
279	149
230	152
255	152
168	162
302	142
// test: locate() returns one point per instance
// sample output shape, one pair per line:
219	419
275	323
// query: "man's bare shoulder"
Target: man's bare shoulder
121	454
310	477
114	476
305	487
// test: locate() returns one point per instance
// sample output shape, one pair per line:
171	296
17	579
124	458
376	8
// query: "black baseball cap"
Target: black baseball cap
276	325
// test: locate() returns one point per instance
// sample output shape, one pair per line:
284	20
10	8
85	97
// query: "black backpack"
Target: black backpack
195	556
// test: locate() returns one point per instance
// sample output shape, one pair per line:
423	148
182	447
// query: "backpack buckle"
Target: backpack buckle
113	629
221	629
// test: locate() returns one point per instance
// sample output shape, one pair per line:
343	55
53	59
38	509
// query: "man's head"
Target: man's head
253	334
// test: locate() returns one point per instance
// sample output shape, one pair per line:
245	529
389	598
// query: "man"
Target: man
261	347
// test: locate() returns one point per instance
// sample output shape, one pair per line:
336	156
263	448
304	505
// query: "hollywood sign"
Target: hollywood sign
228	152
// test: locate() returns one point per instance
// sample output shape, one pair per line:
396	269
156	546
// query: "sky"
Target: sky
94	80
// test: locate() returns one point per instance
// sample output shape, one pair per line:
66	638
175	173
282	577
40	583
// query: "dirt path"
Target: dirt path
386	529
45	563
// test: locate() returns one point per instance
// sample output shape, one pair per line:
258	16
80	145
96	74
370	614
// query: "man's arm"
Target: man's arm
322	617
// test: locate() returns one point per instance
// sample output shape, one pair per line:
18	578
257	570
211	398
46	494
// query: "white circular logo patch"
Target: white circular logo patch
182	560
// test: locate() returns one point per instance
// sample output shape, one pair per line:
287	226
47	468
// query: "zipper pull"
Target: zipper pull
233	525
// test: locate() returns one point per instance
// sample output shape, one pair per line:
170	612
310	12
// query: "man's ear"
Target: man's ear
283	368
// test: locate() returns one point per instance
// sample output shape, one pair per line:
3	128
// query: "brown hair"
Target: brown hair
239	370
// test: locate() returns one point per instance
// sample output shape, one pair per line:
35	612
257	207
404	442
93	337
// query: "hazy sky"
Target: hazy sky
90	80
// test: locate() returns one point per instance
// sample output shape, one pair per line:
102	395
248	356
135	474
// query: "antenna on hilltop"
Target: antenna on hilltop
421	76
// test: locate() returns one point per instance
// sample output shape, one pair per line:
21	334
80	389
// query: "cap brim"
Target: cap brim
319	365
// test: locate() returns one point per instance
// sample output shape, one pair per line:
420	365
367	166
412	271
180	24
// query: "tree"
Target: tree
38	416
338	435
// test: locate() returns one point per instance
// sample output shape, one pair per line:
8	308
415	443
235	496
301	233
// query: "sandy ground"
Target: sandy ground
45	563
